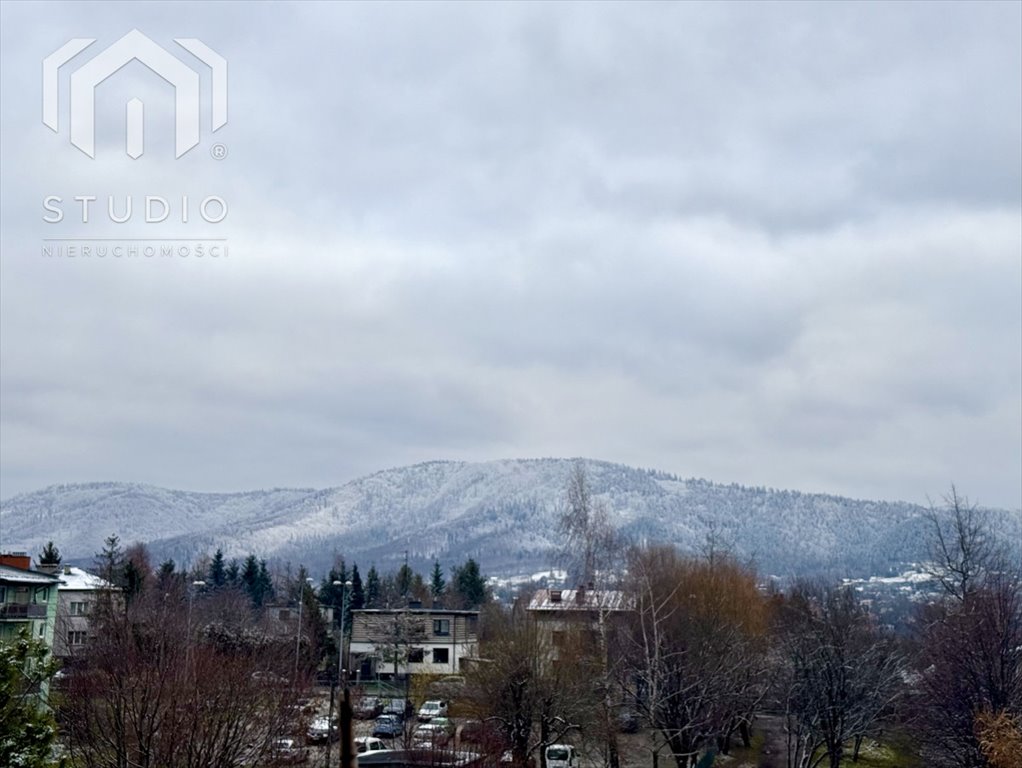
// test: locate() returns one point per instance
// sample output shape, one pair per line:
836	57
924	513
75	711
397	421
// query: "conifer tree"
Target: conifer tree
469	584
250	578
265	584
217	570
357	597
404	580
50	555
26	728
437	583
372	588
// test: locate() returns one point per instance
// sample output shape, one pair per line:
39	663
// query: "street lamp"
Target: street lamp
298	637
344	607
345	716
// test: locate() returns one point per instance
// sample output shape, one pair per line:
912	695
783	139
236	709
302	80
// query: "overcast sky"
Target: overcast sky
776	244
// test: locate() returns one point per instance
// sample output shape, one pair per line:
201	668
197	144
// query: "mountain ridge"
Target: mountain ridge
502	512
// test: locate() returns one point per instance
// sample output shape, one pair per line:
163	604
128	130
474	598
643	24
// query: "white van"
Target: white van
561	756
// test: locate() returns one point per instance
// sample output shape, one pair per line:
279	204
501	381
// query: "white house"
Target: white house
433	641
77	595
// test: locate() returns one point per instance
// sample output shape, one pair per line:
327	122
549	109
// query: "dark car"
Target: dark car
367	707
388	727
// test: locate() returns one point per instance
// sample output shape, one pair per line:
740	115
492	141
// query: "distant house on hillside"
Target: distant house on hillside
560	612
78	593
399	641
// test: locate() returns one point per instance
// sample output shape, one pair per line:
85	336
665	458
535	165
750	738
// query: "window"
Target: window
284	615
79	609
441	626
76	637
416	655
441	656
3	594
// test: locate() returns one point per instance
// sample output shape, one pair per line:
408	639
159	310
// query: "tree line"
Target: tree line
698	651
694	648
184	668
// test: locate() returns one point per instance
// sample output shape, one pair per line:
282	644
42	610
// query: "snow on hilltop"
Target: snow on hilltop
503	513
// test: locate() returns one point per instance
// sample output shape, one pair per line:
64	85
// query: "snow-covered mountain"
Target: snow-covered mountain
503	513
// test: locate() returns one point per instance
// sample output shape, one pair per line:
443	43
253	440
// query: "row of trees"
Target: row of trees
170	679
692	646
698	649
969	664
184	669
466	589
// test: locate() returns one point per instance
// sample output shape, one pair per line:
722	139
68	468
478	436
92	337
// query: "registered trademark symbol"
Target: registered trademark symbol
218	151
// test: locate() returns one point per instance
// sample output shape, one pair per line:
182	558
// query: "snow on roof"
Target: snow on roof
72	578
572	600
11	574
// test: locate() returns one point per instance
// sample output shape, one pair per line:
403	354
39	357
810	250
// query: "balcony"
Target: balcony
21	611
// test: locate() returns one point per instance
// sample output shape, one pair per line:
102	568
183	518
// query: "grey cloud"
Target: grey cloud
775	244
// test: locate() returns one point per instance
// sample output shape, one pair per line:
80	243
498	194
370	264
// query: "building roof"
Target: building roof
579	600
12	575
72	578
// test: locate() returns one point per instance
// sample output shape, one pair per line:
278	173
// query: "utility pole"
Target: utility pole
344	706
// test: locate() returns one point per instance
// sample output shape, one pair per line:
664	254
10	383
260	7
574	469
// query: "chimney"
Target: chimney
16	560
67	570
580	595
555	595
50	568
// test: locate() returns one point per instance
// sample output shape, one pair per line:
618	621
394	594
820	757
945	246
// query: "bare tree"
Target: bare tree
840	674
961	548
531	696
593	550
154	691
591	547
970	643
698	648
970	665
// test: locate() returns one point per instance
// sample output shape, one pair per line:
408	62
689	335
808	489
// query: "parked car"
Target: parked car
286	752
367	707
561	756
427	735
401	708
364	744
431	709
321	729
388	727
